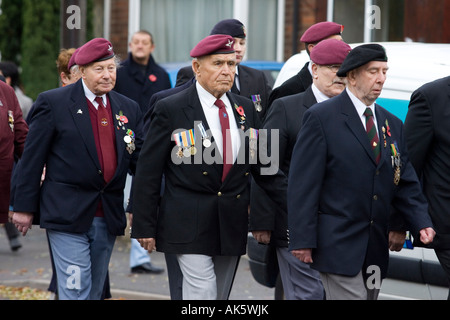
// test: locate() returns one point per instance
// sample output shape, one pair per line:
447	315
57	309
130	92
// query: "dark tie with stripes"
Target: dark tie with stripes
372	133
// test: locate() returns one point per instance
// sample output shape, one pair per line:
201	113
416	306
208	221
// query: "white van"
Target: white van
413	273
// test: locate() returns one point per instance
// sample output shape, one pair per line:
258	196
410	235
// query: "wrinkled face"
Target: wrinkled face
215	72
240	46
100	77
327	81
141	46
366	82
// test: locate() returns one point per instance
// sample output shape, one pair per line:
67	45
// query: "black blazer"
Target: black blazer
427	135
286	116
198	213
296	84
61	137
252	82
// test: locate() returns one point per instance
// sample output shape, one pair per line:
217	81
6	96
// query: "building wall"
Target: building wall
427	20
119	27
299	16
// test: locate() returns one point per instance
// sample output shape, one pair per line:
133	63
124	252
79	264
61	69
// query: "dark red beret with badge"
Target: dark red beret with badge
320	31
330	51
213	44
98	49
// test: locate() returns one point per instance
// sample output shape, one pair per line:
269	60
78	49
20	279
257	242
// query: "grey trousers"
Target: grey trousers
300	281
339	287
206	277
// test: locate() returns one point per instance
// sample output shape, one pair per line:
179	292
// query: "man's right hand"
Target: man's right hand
148	244
23	221
304	255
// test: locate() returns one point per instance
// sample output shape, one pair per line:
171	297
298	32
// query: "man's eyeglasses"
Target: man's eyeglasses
333	67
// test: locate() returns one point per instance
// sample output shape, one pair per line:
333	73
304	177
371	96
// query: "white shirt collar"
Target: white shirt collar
319	95
361	107
91	96
208	100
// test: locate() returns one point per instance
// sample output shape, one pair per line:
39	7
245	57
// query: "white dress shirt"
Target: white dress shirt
361	107
211	111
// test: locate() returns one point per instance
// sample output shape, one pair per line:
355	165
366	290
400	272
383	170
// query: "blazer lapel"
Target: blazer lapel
80	113
381	121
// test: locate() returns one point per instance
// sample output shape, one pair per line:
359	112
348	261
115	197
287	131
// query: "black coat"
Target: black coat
428	139
286	115
296	84
198	213
140	87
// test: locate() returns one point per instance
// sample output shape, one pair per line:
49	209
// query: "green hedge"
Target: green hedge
29	36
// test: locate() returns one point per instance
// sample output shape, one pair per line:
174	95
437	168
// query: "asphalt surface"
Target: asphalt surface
30	267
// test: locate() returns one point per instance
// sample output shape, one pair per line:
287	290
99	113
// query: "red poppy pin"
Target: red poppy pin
152	78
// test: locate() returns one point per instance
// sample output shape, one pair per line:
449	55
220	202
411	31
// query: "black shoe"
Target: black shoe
15	244
146	268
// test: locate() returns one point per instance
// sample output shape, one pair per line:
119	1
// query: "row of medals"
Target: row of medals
192	150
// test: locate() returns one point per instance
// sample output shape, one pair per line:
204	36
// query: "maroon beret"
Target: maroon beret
330	51
97	49
72	59
320	31
213	44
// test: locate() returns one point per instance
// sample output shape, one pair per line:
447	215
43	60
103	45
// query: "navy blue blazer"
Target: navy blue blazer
339	199
61	138
139	86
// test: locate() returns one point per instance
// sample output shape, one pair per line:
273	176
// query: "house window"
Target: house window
362	24
178	25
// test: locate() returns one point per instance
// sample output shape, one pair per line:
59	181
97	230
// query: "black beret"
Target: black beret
231	27
361	55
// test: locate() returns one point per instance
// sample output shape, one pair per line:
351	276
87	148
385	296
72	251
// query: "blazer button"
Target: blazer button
247	173
219	194
205	173
238	196
100	172
375	197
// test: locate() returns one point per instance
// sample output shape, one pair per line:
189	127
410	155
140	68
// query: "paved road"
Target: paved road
30	266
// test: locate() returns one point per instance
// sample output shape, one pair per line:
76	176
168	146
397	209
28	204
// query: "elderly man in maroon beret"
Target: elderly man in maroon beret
267	223
303	79
88	137
203	140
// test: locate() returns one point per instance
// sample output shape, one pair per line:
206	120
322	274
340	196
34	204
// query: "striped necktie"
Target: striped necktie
372	133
